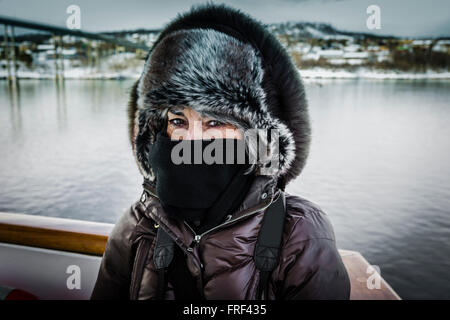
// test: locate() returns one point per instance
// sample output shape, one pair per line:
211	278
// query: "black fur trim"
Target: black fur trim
272	97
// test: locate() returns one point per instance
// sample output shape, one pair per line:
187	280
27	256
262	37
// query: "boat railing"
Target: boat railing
38	253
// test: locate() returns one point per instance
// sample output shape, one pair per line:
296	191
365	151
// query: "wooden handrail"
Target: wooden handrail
54	233
91	237
357	269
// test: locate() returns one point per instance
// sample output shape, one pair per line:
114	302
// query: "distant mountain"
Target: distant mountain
299	30
302	30
123	33
308	30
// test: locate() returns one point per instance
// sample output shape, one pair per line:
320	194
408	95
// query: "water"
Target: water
379	165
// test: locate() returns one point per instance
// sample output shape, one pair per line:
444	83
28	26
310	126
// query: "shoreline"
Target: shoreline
307	74
363	73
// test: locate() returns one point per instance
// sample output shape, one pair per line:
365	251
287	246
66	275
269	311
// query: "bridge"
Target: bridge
57	33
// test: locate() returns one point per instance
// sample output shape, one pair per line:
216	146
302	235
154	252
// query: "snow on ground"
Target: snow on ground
119	66
76	73
363	73
134	71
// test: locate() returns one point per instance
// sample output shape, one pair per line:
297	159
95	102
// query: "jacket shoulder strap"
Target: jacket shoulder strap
164	249
268	245
162	257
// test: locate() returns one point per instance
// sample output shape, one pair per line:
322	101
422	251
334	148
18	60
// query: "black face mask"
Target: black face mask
199	192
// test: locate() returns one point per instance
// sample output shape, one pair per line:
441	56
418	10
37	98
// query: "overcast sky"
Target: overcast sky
416	18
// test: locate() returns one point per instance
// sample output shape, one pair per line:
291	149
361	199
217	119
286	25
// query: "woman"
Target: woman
214	74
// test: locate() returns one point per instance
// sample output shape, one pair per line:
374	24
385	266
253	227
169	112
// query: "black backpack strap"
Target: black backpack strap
268	245
162	257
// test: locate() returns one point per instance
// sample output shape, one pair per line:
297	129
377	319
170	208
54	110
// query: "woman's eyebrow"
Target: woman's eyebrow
177	112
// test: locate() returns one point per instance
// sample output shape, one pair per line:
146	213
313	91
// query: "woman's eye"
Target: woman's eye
177	122
215	123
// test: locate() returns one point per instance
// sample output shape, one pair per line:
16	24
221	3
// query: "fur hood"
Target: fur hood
225	64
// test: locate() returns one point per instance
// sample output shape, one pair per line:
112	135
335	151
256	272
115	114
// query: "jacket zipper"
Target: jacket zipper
198	237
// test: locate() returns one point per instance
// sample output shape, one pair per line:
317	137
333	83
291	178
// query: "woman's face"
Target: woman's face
187	124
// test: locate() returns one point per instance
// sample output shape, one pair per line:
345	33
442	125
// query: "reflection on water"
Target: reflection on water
65	150
61	105
14	102
379	165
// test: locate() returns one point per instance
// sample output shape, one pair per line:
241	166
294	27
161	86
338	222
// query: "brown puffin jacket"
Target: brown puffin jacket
222	262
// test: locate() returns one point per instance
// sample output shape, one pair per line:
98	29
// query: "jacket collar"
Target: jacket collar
260	195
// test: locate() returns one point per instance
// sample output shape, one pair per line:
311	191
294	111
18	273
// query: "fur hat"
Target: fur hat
225	64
